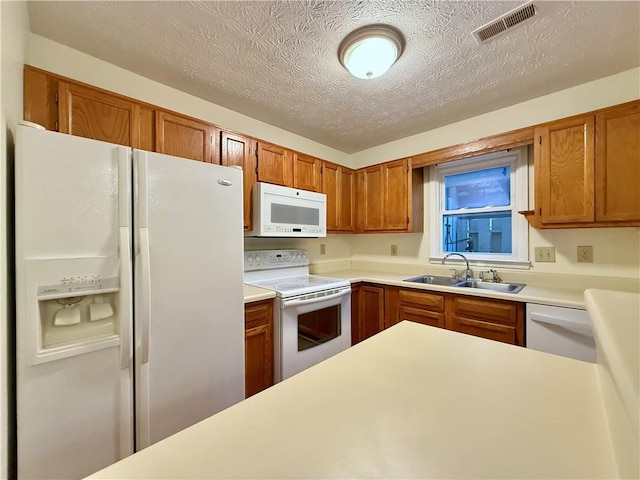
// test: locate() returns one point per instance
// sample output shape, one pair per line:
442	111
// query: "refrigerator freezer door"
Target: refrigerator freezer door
74	411
188	284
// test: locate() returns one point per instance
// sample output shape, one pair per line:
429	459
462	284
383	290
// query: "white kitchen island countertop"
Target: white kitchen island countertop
411	402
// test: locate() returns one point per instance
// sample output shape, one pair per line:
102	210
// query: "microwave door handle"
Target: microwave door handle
298	303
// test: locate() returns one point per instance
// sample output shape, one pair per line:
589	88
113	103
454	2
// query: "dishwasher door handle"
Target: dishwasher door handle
579	327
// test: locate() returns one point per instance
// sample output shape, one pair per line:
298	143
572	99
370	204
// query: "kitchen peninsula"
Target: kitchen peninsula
422	402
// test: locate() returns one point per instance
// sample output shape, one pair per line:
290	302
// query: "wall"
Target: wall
57	58
619	88
14	27
337	249
616	250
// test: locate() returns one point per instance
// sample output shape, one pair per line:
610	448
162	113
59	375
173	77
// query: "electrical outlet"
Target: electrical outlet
585	254
394	250
545	254
323	249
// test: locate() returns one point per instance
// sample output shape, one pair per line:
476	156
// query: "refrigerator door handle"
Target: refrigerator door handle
145	310
126	304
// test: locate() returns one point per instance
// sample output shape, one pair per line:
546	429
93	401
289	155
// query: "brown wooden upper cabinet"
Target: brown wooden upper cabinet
307	172
390	197
240	150
275	164
338	184
185	137
370	194
90	113
564	158
587	170
618	164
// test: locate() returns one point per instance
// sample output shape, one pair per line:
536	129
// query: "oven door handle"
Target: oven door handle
298	303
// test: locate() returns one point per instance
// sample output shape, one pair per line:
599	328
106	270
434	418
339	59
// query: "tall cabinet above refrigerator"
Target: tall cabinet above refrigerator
129	299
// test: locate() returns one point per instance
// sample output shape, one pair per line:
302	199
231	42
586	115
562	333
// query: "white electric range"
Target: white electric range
312	314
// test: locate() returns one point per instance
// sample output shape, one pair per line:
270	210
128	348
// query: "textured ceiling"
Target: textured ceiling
276	61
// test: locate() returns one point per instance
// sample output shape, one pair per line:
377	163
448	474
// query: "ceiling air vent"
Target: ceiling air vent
505	22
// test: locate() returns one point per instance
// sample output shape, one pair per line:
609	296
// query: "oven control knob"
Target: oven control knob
257	258
249	259
304	255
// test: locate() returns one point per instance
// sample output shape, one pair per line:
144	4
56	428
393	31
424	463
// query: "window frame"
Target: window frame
517	160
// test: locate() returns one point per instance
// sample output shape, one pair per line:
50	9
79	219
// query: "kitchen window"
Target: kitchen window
475	205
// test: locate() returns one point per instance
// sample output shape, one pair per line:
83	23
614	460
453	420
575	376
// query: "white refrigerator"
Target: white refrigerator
129	301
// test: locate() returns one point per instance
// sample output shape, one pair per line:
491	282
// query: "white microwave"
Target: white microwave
287	212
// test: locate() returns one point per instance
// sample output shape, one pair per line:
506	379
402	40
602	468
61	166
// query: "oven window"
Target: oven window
294	215
318	327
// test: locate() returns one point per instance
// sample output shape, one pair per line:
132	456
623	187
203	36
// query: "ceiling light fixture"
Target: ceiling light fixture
369	51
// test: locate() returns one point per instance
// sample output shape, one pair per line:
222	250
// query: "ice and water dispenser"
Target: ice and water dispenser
75	306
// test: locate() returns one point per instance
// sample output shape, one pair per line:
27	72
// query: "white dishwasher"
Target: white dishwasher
561	331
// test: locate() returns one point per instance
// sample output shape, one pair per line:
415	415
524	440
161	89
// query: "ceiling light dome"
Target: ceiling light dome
369	51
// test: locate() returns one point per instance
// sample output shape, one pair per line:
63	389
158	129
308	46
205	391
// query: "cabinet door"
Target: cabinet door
396	195
91	113
307	172
367	311
371	198
331	187
499	320
239	150
258	346
347	200
184	137
40	103
356	302
618	164
371	311
275	165
564	156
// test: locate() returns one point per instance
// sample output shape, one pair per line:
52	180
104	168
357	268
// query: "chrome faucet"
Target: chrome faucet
468	272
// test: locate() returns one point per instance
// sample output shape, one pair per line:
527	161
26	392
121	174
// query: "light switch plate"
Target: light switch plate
394	250
545	254
323	249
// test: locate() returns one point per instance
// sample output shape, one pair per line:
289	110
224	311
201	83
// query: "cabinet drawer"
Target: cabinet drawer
478	328
427	301
491	310
258	314
421	316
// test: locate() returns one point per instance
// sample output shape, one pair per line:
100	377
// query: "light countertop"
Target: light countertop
564	297
420	402
255	294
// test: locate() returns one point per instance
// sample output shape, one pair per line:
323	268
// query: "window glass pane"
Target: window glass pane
477	232
482	188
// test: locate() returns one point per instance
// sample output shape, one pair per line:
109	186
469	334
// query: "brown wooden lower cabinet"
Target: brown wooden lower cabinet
367	311
422	307
258	344
499	320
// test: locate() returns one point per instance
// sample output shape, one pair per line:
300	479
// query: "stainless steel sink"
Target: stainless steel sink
495	287
471	283
435	280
